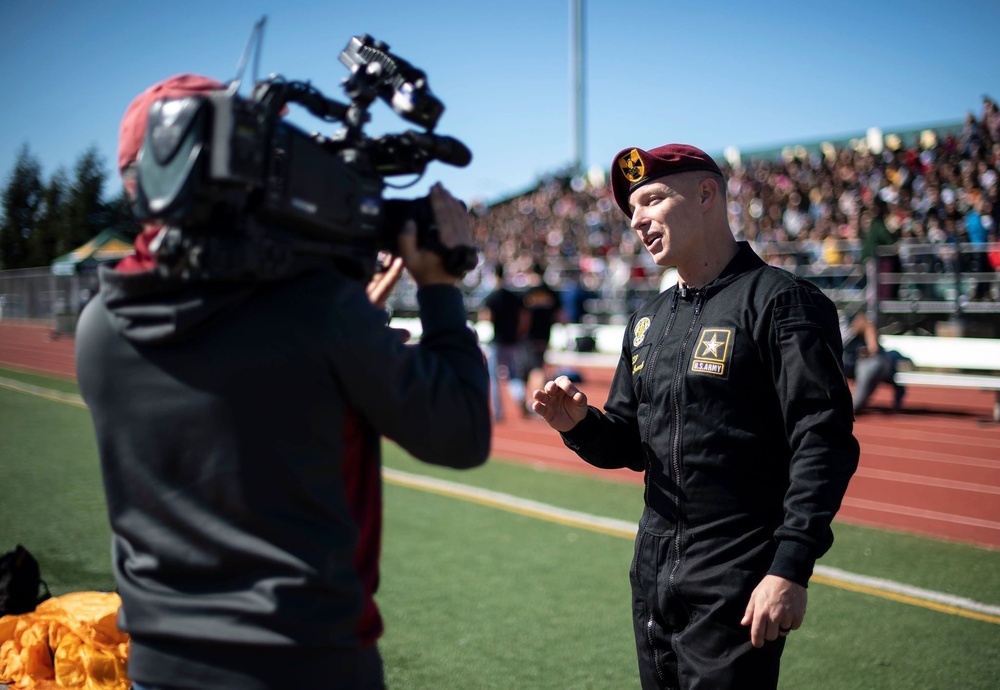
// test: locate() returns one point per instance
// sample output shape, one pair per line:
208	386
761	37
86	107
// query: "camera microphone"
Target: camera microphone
411	151
442	148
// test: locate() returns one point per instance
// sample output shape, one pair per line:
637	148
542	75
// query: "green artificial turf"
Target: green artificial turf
53	501
475	596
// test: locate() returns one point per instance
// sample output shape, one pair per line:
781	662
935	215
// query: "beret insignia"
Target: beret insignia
631	165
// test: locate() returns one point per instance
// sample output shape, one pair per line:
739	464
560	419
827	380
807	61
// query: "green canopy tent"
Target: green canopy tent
76	275
107	246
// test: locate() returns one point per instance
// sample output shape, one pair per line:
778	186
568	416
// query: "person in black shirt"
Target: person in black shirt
502	307
542	309
239	428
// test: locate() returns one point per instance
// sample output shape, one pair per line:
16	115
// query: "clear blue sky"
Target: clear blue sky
712	74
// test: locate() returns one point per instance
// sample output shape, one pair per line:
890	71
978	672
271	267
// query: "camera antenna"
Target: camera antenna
255	43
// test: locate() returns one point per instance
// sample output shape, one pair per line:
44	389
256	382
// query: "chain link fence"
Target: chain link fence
36	294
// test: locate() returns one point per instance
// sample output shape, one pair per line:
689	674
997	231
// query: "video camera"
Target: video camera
245	194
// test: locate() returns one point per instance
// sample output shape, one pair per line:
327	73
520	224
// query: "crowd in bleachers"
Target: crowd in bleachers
827	210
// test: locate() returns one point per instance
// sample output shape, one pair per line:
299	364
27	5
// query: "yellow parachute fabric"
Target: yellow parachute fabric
71	641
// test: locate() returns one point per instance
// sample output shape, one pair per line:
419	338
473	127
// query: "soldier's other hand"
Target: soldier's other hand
560	403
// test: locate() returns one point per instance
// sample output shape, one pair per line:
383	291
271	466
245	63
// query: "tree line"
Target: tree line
41	220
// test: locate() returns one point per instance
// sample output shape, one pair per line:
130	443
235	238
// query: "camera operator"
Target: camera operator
239	425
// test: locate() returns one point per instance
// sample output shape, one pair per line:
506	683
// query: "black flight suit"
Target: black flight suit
733	401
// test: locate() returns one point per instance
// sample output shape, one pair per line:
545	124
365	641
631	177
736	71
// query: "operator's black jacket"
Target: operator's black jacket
238	427
733	401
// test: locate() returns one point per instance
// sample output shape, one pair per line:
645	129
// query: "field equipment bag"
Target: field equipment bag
20	581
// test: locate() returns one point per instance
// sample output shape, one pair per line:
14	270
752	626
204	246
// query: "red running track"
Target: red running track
933	469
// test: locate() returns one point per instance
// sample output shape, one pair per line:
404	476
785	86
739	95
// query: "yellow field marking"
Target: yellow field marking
48	394
832	577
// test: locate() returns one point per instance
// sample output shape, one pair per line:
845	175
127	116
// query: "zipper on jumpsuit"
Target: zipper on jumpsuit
675	451
674	458
645	494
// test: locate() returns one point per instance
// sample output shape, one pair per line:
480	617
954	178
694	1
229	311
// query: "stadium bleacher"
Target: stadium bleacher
921	202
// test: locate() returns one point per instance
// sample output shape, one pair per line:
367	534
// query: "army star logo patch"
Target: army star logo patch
632	167
712	351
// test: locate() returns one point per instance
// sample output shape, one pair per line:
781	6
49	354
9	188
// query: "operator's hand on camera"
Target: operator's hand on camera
454	229
381	286
384	281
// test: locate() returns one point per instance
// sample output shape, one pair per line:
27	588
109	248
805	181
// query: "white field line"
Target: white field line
621	528
832	576
907	590
47	393
920	480
892	452
921	513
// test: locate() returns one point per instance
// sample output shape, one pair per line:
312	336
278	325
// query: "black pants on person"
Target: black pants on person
871	371
687	622
231	667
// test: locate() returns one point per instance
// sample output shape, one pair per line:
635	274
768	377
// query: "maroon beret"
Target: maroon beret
634	167
133	127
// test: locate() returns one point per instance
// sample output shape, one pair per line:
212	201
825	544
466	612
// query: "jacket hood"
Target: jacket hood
147	307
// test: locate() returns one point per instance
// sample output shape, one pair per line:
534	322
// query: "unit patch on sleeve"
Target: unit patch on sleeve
712	351
639	332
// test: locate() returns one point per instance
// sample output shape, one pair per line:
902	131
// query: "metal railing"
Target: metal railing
936	279
904	284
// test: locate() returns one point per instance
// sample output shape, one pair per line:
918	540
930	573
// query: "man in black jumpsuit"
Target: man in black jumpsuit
239	426
730	396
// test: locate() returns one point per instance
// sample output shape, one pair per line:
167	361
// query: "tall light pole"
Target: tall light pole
577	67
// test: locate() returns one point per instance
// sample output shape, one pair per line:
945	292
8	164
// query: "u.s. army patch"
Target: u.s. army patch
639	332
712	351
